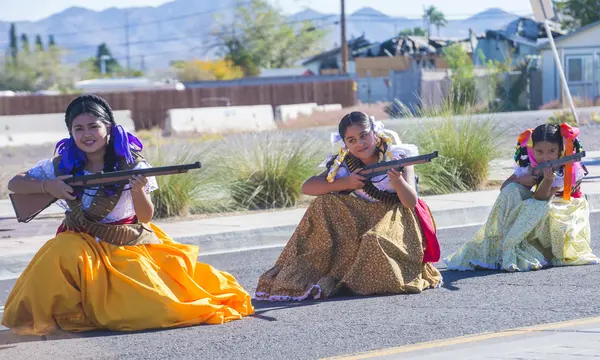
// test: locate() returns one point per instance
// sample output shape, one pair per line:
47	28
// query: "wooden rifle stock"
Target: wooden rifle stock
28	206
371	171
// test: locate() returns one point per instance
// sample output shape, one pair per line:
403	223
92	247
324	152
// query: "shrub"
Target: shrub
466	148
178	194
560	117
268	172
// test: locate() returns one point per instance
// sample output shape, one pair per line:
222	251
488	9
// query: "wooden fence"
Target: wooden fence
148	108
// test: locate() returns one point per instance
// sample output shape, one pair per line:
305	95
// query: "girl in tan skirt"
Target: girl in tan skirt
361	236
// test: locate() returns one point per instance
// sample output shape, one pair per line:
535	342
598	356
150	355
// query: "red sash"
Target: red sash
432	247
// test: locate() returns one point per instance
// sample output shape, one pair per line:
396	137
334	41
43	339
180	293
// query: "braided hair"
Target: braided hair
547	132
97	107
357	118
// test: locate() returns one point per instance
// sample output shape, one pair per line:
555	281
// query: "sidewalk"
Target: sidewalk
18	242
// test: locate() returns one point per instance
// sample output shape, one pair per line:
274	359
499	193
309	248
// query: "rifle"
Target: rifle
371	171
28	206
538	171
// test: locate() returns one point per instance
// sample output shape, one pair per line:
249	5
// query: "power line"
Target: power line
212	33
349	19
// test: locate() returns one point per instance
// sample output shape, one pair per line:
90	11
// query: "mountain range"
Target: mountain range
181	29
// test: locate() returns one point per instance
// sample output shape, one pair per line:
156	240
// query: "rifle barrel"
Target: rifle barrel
123	176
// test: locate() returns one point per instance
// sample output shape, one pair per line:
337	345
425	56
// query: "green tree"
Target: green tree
13	43
463	77
37	71
51	42
25	43
438	20
435	17
261	37
39	45
416	31
577	13
112	66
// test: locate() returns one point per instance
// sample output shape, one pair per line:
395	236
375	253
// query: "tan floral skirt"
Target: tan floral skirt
344	243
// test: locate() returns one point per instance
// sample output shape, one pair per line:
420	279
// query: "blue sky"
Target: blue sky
38	9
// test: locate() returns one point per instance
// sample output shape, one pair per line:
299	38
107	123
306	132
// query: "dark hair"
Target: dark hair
97	107
354	118
547	132
92	105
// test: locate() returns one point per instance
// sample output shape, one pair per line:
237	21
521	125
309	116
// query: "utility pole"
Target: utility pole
127	40
344	42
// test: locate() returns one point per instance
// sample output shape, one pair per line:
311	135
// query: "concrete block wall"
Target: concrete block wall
39	129
220	119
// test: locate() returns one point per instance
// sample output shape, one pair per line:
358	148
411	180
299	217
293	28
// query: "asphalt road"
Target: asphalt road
469	303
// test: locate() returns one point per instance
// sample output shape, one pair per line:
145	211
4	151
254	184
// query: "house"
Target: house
330	61
579	52
517	41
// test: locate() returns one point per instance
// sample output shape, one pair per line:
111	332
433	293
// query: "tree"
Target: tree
261	37
433	16
39	46
438	20
577	13
112	66
51	42
14	47
37	71
416	31
25	43
463	77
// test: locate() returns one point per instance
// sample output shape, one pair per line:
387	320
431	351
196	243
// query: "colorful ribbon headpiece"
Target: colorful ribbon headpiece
569	135
335	137
74	158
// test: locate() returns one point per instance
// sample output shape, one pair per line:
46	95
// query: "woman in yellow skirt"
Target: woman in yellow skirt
533	224
133	278
363	237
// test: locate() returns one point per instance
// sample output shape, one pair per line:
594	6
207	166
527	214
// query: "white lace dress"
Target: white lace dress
382	182
124	208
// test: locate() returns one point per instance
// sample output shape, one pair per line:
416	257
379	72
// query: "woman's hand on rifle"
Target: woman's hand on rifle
138	182
58	188
396	176
354	181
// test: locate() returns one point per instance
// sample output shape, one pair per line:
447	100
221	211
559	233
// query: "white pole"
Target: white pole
561	71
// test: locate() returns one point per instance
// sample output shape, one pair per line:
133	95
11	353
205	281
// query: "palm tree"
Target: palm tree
427	12
438	20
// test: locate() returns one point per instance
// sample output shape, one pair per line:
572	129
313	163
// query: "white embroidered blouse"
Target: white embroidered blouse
124	209
382	182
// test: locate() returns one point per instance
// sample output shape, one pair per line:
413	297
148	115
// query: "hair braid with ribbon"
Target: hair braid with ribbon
383	145
564	135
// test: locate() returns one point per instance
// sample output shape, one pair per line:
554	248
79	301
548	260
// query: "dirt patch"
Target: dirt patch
332	118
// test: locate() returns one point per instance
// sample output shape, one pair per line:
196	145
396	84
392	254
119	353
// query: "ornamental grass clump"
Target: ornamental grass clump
267	171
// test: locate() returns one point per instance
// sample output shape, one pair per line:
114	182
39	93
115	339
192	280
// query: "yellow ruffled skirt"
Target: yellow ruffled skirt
76	283
523	234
